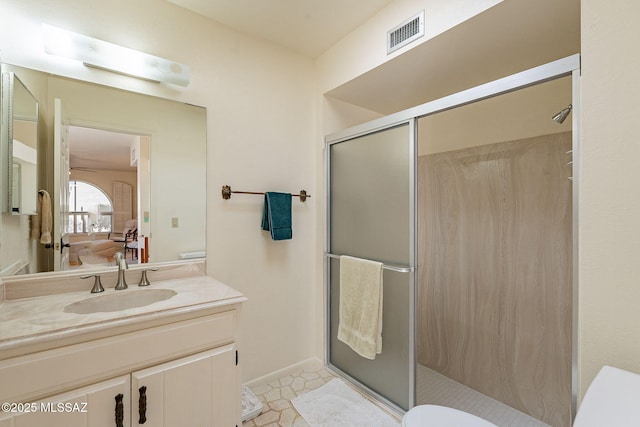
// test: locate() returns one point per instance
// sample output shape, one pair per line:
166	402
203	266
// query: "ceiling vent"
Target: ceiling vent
405	33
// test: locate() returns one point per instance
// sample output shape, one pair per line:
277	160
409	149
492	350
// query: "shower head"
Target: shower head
562	115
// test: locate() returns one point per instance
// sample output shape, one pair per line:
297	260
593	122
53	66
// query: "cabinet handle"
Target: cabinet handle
142	405
119	410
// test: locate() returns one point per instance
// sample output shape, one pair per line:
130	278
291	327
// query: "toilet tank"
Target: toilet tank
612	399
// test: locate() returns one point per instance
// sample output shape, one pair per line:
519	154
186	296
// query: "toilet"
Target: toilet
611	400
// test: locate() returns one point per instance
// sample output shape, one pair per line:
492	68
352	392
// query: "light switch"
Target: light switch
174	222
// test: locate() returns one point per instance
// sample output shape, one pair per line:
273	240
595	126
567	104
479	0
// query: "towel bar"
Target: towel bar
397	268
226	193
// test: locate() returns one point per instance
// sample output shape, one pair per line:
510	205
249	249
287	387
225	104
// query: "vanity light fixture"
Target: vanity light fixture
112	57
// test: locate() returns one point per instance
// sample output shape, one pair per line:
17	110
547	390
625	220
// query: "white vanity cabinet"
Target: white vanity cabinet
193	391
197	390
187	367
88	406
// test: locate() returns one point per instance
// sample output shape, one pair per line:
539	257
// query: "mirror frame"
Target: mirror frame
6	141
12	200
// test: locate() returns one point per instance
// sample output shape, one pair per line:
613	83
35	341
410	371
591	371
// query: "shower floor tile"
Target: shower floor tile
436	389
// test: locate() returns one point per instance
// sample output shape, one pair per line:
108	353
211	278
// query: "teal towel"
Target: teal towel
276	216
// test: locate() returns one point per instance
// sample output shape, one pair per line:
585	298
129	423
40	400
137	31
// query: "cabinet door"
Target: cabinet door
196	391
92	406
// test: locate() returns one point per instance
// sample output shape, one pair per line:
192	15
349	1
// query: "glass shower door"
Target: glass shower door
371	216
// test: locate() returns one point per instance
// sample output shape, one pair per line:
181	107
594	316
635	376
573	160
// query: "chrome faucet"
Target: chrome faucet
144	281
97	285
122	266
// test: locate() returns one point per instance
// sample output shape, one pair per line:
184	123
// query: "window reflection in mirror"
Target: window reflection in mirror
168	182
90	209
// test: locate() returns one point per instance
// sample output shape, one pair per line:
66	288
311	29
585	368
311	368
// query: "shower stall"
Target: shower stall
469	202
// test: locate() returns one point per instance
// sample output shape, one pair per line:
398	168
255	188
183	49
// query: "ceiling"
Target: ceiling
95	149
512	36
309	27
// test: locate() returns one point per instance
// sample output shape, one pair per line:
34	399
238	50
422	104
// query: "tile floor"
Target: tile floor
432	388
276	397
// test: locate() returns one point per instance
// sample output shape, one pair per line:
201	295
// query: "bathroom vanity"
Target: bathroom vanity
164	355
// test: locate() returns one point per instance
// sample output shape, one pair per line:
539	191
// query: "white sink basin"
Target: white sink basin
119	300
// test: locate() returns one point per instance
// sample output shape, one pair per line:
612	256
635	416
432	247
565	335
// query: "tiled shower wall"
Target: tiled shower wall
495	283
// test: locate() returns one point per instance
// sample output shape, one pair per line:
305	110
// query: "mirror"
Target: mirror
19	147
135	172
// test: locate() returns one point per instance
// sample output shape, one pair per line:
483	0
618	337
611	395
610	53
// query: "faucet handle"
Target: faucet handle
97	285
143	280
121	261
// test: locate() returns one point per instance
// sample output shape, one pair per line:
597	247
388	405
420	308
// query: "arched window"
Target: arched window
90	209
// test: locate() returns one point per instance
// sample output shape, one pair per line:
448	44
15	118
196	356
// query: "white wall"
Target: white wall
260	113
610	190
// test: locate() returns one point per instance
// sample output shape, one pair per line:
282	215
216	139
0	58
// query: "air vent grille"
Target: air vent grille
405	33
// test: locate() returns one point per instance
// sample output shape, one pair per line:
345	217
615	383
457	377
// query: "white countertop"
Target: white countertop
29	321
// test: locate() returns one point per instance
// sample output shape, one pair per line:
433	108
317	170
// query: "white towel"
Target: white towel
360	324
41	223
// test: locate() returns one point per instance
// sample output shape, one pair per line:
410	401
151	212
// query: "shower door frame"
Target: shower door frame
413	249
568	66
